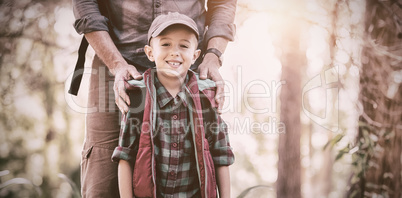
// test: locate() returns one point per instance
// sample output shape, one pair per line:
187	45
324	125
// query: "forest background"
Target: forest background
313	99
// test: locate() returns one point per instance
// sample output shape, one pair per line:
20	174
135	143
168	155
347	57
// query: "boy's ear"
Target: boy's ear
196	55
148	51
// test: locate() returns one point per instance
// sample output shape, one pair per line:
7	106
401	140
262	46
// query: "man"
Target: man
117	31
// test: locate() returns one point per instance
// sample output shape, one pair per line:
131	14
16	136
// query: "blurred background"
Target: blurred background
313	99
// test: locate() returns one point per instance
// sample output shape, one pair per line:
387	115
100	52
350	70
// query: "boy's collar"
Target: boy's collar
163	96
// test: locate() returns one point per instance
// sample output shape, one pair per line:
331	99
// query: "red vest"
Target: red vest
144	168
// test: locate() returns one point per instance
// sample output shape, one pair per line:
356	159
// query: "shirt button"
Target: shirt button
172	173
174	117
157	5
175	144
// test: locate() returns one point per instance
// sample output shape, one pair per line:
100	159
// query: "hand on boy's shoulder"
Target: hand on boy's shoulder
208	88
210	70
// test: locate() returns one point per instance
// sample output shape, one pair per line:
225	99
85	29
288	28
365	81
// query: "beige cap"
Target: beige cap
161	22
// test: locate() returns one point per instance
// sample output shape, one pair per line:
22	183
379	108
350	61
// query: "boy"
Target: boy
182	140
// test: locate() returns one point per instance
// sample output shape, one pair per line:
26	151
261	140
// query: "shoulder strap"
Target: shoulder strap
137	100
208	115
79	68
207	110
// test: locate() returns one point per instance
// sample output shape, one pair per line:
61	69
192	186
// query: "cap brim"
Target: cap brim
163	26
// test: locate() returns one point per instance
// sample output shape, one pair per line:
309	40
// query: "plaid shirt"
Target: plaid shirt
176	172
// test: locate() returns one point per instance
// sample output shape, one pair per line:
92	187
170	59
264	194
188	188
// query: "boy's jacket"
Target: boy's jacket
199	92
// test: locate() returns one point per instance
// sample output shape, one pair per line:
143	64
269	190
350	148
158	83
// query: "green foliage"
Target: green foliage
361	151
331	143
366	147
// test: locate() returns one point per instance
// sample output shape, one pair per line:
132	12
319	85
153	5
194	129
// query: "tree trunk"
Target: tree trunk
378	160
293	60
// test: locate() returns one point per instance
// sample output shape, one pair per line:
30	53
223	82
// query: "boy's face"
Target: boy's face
173	51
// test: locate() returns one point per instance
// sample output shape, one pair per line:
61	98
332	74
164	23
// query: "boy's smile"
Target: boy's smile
173	51
174	63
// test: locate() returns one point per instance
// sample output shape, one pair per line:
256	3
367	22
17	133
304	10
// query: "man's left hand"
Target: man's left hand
209	68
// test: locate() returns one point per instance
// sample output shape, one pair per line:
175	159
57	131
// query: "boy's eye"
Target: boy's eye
184	46
165	44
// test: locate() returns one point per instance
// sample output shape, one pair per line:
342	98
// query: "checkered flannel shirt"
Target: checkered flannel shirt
176	172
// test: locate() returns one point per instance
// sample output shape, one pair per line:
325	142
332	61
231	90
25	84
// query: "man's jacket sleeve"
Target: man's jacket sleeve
89	18
220	18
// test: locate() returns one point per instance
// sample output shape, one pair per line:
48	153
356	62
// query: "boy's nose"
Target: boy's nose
174	51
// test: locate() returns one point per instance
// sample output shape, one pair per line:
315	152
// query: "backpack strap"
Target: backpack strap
79	68
208	115
137	100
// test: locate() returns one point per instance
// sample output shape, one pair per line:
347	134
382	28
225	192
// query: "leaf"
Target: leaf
334	140
339	156
342	152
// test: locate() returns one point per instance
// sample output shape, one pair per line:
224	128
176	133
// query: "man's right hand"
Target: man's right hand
108	53
122	74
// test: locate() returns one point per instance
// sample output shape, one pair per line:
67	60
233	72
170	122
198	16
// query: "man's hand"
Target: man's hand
122	74
108	53
209	68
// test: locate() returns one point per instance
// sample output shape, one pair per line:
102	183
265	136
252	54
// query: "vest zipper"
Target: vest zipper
152	119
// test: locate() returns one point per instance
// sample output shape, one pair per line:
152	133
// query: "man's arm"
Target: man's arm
223	181
110	55
209	68
220	18
91	22
125	179
221	30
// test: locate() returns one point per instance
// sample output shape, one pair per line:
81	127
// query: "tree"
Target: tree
293	61
377	162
